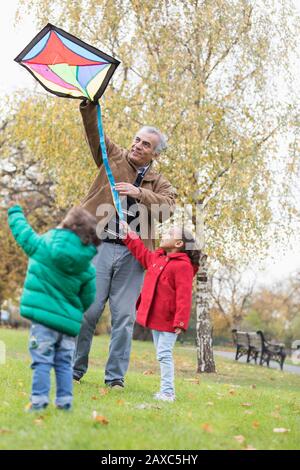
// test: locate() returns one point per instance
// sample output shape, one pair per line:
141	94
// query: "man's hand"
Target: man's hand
127	189
178	331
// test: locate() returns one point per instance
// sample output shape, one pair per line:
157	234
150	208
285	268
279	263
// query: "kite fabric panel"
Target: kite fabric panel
71	68
67	66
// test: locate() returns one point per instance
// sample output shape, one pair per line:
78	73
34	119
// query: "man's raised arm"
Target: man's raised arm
88	112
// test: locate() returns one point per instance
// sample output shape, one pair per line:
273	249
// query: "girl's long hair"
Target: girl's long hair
190	247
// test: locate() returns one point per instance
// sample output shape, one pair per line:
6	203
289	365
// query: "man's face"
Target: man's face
143	148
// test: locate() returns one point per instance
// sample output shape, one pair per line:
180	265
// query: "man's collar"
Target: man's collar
150	174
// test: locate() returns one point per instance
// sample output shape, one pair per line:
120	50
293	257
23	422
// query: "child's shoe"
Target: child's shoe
164	397
66	407
31	407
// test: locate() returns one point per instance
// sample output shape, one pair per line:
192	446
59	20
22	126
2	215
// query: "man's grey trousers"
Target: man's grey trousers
119	280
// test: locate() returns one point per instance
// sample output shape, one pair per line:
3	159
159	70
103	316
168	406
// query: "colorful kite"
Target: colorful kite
68	67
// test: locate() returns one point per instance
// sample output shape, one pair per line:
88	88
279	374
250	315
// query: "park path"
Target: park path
231	355
273	365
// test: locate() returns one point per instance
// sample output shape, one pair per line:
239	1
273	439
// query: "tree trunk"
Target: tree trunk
205	356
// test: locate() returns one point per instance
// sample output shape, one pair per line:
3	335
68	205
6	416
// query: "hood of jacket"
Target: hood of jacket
67	251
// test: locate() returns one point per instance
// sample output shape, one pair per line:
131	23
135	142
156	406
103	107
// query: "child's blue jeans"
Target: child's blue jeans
49	348
164	343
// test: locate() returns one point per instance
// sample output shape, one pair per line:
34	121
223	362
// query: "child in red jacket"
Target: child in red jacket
164	304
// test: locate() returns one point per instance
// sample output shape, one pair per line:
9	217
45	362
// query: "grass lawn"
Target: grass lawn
237	408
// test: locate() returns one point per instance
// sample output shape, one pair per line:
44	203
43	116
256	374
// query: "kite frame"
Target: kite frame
114	63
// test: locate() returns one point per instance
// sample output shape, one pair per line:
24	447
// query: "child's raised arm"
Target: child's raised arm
22	231
137	247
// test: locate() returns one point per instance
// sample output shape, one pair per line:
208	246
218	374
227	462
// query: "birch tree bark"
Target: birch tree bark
205	355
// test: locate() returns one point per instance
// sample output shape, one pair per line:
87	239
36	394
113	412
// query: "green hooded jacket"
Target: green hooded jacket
60	282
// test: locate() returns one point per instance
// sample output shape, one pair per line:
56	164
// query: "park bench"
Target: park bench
255	346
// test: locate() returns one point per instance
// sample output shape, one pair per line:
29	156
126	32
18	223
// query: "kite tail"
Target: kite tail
110	176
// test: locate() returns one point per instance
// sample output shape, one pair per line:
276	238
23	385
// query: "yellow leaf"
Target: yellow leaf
39	421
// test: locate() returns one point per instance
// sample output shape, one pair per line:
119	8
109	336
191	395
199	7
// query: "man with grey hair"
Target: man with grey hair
146	195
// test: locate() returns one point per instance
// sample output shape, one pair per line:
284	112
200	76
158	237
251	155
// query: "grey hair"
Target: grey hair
162	144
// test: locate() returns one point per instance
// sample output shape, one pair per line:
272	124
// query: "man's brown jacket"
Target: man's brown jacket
157	199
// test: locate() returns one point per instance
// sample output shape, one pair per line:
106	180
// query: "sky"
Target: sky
278	265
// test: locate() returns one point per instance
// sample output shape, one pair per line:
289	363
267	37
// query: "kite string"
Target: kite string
110	176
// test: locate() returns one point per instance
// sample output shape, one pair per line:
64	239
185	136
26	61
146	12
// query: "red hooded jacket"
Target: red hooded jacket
166	298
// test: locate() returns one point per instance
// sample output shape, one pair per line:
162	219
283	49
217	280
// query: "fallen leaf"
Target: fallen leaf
281	430
120	402
246	405
5	431
253	386
210	403
248	412
249	447
95	398
255	424
207	427
103	391
240	439
148	372
232	392
99	418
39	421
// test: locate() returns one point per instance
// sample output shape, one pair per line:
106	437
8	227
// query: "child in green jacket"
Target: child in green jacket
59	286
